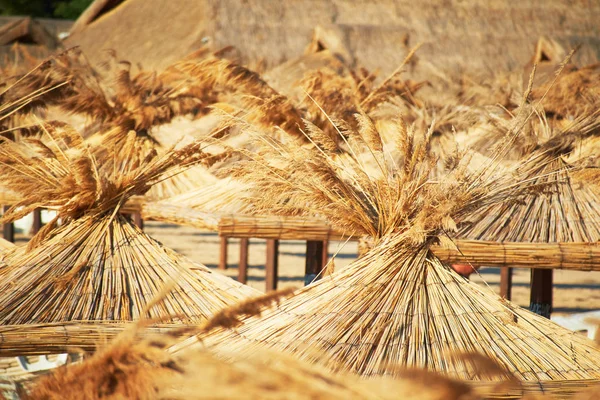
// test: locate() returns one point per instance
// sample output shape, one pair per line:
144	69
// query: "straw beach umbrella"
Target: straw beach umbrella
75	282
398	305
567	212
138	368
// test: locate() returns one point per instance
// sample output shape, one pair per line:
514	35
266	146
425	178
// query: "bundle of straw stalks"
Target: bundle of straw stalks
91	264
200	207
566	211
137	368
137	365
398	304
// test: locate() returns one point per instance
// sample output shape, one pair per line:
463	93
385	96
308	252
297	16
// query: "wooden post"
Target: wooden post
37	221
541	292
506	274
138	220
272	264
325	255
243	265
223	253
8	230
314	261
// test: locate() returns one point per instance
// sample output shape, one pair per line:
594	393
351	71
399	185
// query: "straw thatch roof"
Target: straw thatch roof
97	266
402	306
201	207
567	211
27	30
145	369
458	35
285	77
25	38
94	11
107	270
398	305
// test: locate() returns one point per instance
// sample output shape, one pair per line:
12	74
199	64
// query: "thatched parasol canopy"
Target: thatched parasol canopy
96	266
567	210
399	305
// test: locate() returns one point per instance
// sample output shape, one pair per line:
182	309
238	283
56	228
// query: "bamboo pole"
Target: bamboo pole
243	265
573	256
576	256
40	339
282	228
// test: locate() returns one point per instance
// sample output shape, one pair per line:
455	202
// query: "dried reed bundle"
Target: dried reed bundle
574	94
269	108
139	368
201	207
564	212
129	102
61	172
398	304
97	266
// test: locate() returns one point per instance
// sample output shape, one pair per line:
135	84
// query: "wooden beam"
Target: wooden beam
243	265
325	255
8	230
506	274
272	264
314	261
137	219
223	253
37	221
541	292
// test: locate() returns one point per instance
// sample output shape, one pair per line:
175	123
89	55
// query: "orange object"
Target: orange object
464	269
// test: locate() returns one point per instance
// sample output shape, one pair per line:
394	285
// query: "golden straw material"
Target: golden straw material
96	261
107	269
164	211
274	227
563	212
5	244
574	256
400	306
137	365
200	207
65	337
96	266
